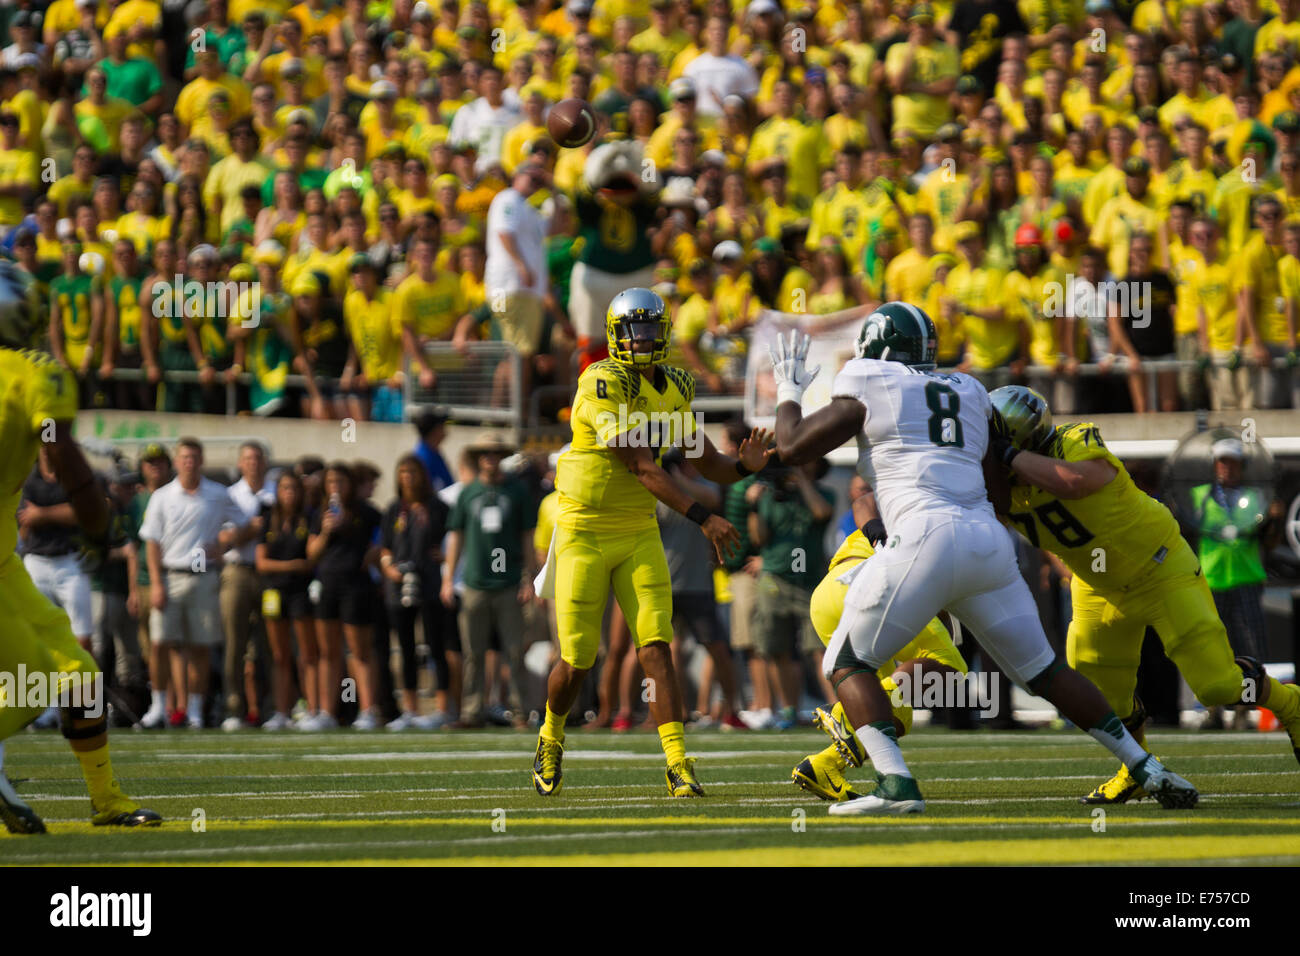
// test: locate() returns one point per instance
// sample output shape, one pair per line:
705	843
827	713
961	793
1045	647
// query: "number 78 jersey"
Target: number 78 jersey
923	438
1108	539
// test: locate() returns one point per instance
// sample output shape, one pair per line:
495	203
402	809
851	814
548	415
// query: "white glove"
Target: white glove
792	379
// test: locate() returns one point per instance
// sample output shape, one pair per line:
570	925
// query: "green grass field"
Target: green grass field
388	798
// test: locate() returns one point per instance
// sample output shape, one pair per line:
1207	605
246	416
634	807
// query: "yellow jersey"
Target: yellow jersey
34	390
1110	539
1257	264
617	403
1025	299
1214	290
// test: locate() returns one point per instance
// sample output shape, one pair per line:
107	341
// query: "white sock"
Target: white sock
2	756
158	701
882	748
196	705
1114	736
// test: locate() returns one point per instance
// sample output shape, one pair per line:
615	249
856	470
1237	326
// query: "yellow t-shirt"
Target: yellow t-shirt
375	337
1257	266
989	343
1214	290
1118	220
1025	301
804	147
1133	531
36	390
17	168
617	403
1185	262
920	112
431	308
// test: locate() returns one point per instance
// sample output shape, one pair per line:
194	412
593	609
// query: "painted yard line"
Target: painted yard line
941	852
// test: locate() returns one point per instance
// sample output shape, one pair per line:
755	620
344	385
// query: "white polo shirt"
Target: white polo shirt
250	504
511	213
185	523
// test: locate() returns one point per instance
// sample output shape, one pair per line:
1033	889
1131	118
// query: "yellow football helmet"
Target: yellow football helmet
638	315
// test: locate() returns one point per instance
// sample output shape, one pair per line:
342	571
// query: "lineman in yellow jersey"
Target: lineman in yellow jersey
629	410
1132	570
932	651
38	405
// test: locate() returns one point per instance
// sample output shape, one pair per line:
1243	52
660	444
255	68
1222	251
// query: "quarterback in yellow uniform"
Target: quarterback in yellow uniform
1132	569
38	404
630	408
932	651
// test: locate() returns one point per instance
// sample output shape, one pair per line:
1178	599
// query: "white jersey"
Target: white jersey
923	437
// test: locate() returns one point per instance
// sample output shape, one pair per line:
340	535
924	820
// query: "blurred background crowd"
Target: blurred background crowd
1070	187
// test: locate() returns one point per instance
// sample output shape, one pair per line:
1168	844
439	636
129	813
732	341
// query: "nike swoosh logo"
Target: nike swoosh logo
834	789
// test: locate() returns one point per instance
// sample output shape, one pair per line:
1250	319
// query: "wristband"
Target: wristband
698	513
789	392
875	532
742	470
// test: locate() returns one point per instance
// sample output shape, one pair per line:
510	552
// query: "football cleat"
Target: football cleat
1170	790
681	779
1120	788
122	811
547	770
893	795
16	815
846	741
822	779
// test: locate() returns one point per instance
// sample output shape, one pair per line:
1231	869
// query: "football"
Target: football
572	123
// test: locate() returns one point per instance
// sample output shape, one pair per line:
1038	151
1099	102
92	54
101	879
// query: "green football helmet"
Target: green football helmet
899	332
1022	415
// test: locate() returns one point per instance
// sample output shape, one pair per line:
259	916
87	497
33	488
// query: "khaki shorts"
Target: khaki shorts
192	616
782	625
744	589
520	321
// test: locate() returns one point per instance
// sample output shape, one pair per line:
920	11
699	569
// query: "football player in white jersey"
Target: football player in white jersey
923	438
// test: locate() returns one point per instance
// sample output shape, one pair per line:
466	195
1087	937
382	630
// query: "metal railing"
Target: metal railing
483	382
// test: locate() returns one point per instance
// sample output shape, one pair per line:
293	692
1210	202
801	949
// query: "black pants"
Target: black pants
439	637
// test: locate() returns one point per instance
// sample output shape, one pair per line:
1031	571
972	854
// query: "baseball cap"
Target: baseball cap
360	260
758	8
292	66
948	133
767	246
964	230
305	283
154	451
1288	121
1148	114
1228	63
682	88
1228	448
969	83
1136	166
1097	6
383	90
579	8
921	13
421	11
268	252
715	157
728	250
205	251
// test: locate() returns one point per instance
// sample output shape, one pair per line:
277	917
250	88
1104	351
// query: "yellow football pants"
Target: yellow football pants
1104	642
36	634
588	563
933	643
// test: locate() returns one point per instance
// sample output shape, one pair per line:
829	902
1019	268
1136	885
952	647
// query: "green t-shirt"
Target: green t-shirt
132	520
795	550
134	79
74	295
736	510
1229	536
495	521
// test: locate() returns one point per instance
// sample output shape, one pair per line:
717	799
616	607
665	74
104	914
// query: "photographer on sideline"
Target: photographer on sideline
788	516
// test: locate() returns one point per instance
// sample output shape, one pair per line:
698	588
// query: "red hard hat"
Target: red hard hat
1029	235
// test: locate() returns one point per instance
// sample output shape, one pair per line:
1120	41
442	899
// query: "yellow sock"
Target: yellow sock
553	728
97	768
1283	700
672	736
832	756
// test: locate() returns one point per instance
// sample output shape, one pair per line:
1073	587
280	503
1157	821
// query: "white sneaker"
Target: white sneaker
874	806
231	724
757	719
277	721
431	721
318	722
154	720
405	721
195	721
366	721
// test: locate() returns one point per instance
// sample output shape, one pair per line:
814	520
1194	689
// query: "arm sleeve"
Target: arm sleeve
51	394
1082	442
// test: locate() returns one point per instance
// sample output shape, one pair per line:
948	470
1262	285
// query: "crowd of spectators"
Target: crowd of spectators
1057	183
